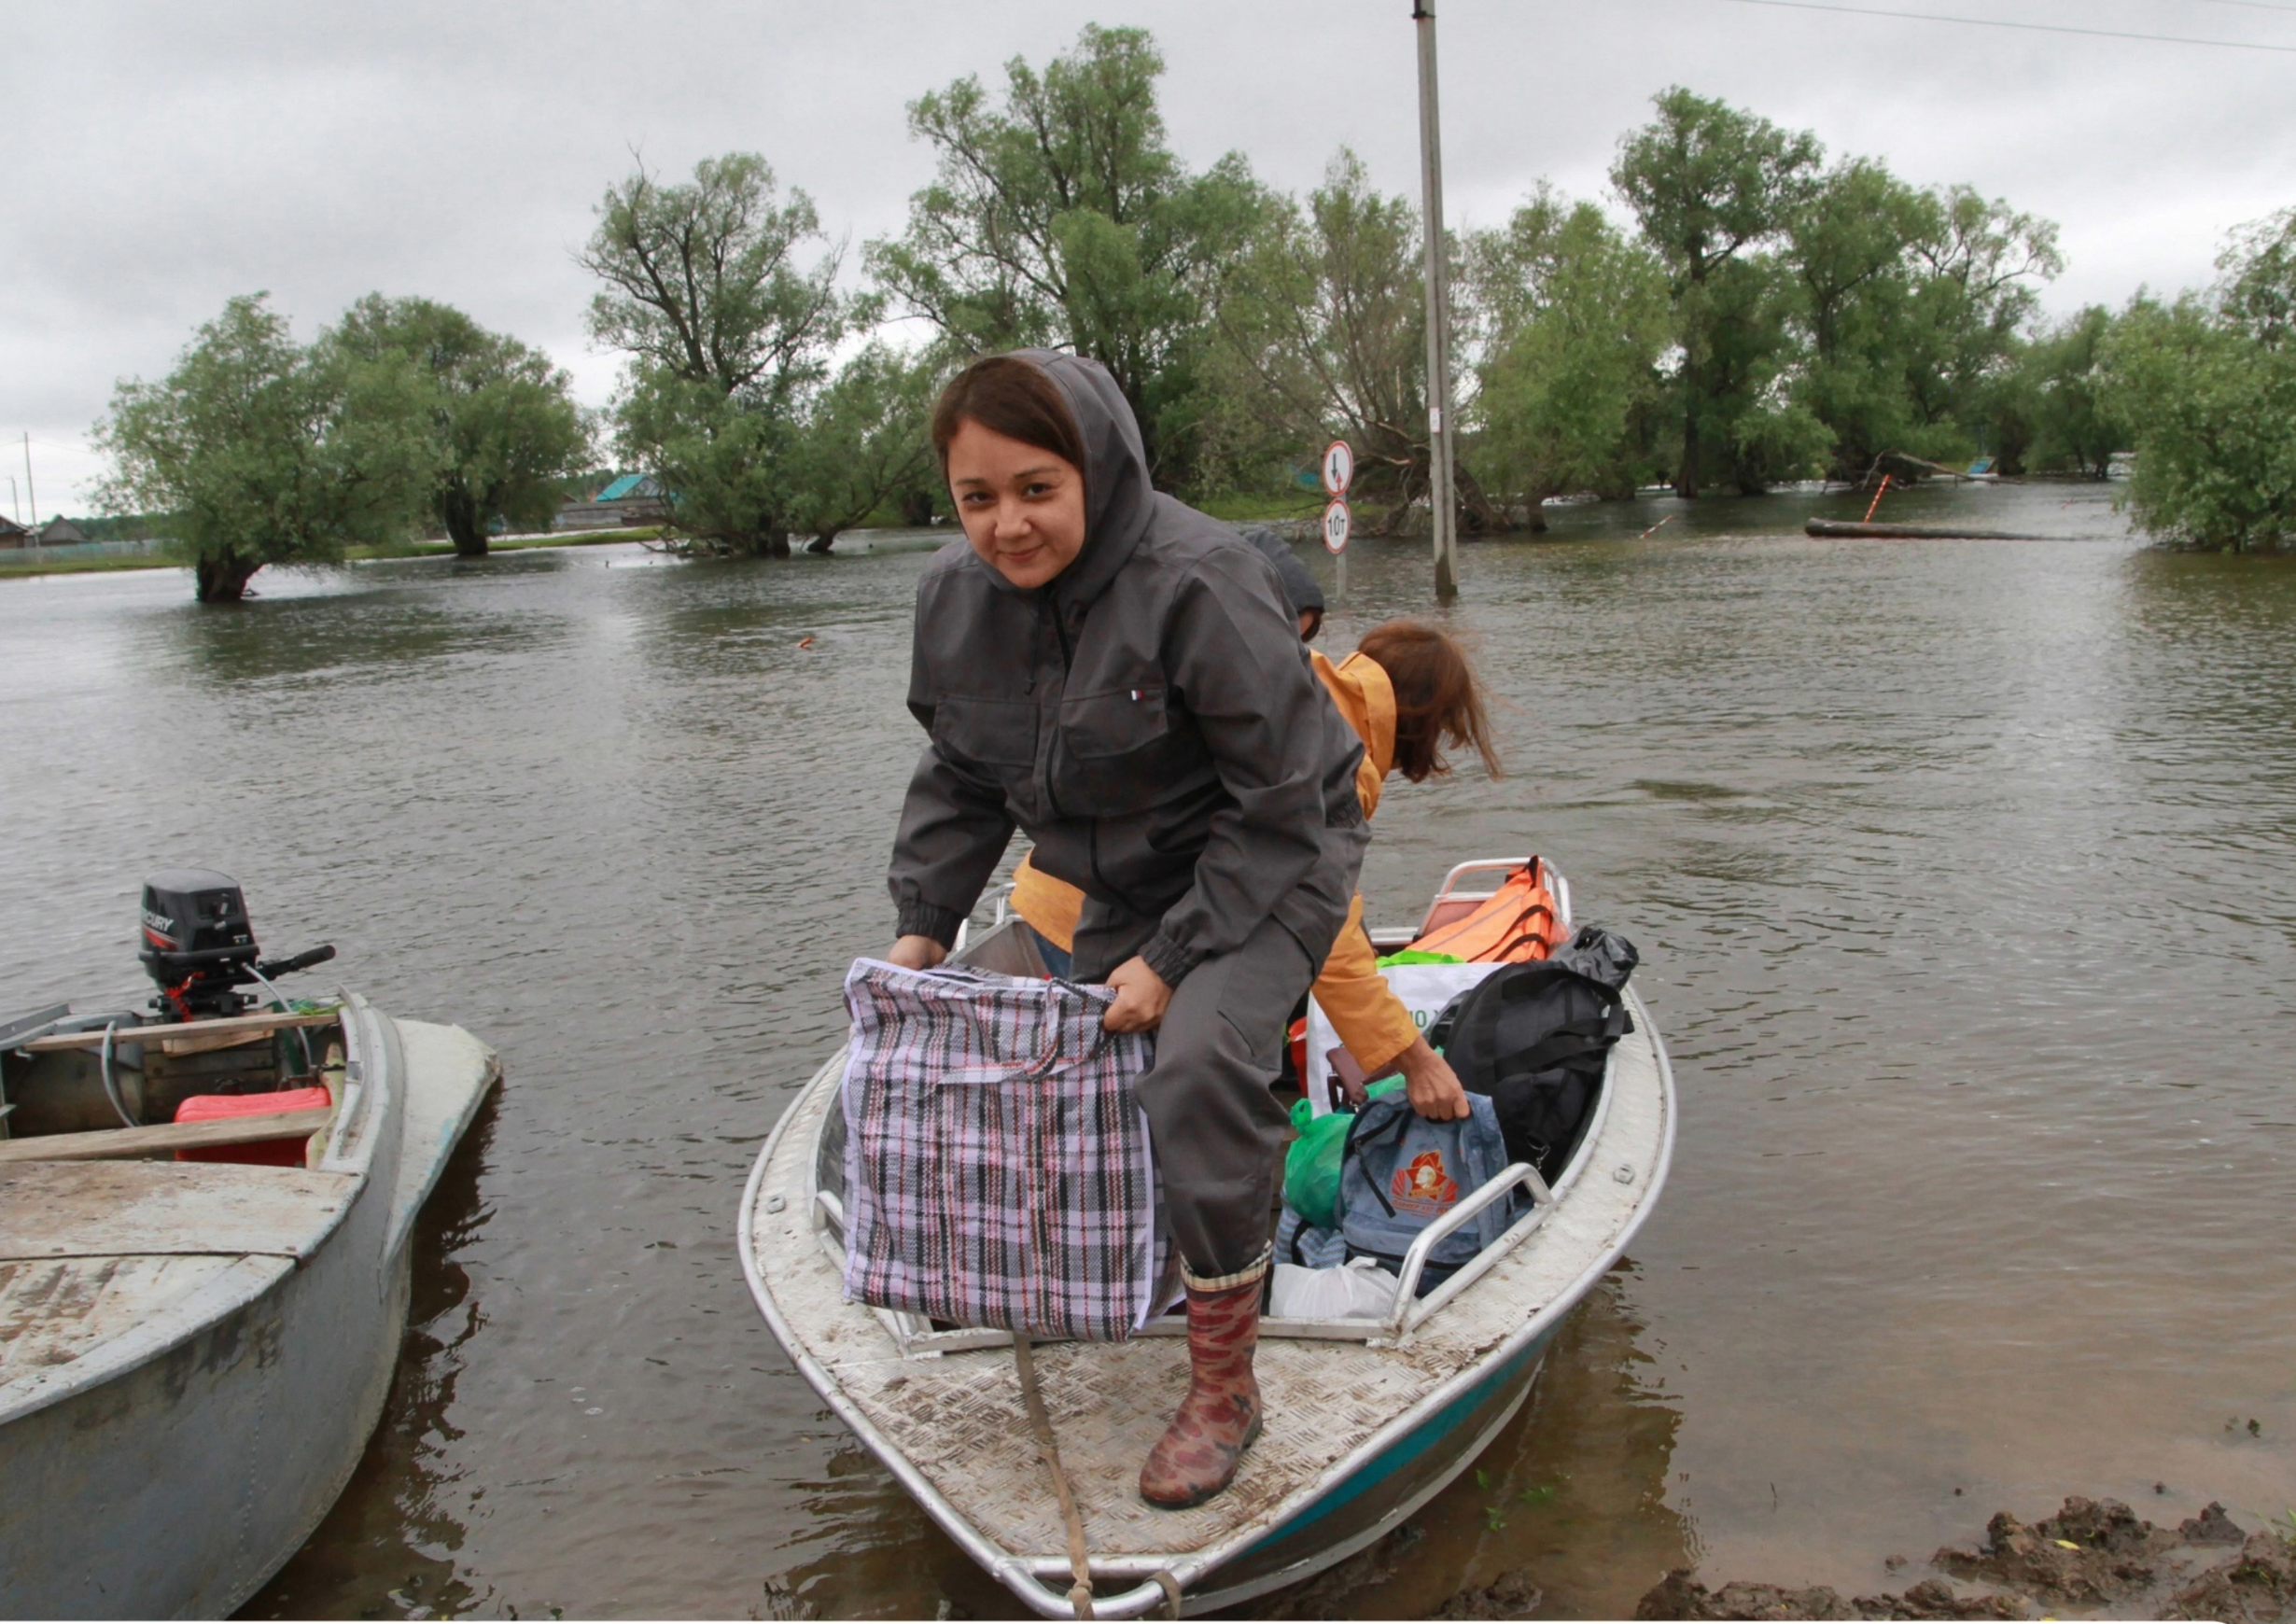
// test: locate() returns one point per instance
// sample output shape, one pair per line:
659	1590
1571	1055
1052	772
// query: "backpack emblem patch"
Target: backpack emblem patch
1422	1188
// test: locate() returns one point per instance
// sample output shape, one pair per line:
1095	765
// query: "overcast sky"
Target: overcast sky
164	157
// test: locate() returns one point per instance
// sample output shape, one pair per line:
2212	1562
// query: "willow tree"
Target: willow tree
1713	187
865	444
2207	386
507	433
1060	215
260	451
728	329
1567	319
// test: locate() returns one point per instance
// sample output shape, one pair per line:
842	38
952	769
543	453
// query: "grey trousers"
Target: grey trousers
1218	1132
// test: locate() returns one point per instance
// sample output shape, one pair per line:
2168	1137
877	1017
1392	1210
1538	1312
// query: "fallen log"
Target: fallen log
1850	528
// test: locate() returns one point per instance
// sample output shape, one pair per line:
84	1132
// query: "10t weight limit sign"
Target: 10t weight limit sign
1339	469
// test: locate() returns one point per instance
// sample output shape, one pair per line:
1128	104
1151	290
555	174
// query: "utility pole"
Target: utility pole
1442	504
32	496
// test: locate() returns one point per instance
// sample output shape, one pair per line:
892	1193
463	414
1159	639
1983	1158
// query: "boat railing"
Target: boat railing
1450	902
1411	1311
1044	1581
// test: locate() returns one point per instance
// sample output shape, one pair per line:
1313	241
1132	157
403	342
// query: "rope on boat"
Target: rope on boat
1080	1560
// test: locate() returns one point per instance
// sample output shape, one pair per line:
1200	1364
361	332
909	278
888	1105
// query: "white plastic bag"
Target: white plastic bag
1425	989
1358	1289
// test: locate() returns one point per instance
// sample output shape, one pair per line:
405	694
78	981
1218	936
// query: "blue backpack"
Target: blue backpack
1399	1172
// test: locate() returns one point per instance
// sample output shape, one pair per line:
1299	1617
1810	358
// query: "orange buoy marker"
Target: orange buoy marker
1877	500
804	642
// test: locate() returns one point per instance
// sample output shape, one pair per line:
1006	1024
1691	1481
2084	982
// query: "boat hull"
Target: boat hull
1367	1422
171	1471
176	1487
1362	1507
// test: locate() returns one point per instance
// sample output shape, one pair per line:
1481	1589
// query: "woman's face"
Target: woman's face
1022	507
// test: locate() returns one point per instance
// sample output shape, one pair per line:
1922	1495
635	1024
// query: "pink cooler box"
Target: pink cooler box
269	1153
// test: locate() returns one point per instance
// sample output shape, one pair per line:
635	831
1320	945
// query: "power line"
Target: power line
2252	5
2022	27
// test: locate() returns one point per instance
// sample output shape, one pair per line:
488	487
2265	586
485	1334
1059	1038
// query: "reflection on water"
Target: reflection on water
1571	1494
396	1515
1965	876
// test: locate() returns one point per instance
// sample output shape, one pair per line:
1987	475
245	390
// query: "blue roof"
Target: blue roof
626	486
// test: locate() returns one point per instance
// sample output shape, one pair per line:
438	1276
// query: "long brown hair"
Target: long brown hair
1010	397
1438	701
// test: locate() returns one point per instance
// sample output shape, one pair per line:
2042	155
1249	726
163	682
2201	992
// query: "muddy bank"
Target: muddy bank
2094	1559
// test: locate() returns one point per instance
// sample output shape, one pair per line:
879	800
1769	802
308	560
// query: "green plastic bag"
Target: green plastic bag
1311	1165
1417	956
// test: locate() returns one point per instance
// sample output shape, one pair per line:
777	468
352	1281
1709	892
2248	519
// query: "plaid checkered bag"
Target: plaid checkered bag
997	1166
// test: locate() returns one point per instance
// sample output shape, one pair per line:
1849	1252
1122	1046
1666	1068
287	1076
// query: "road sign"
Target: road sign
1338	467
1336	522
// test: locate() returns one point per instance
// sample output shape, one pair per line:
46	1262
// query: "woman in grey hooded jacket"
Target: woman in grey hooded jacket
1121	676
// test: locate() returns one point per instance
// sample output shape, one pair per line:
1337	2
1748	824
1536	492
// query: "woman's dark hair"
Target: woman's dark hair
1438	701
1010	396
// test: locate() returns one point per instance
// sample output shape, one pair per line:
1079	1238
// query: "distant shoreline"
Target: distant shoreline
13	570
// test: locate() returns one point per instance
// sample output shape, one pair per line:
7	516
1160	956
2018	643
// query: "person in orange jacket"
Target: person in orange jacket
1408	692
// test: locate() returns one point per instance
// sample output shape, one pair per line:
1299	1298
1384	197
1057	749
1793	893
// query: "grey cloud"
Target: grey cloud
175	155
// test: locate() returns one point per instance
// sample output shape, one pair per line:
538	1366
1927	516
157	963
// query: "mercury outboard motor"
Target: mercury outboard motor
199	947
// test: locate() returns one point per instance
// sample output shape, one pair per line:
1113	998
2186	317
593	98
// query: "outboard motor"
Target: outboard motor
200	947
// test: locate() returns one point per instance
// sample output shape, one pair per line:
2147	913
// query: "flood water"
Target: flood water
1965	876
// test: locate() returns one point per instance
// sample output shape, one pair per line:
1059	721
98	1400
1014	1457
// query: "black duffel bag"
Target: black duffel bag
1536	1038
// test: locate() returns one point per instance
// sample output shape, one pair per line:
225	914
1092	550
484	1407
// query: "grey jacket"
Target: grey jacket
1149	717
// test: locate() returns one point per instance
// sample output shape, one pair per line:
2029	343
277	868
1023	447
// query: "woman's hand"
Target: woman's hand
1141	995
1433	1088
916	953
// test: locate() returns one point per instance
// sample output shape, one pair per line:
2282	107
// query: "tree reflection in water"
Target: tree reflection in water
392	1532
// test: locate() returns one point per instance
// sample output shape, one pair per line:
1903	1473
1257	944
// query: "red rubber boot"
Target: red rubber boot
1196	1456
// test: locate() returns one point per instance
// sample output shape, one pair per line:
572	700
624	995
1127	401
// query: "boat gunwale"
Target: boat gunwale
1018	1573
231	1290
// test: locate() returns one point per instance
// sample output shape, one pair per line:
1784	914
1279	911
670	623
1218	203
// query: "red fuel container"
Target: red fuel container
269	1153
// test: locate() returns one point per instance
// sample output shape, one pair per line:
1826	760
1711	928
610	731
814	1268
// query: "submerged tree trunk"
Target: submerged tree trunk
917	507
767	543
223	576
1475	514
823	542
1686	477
462	522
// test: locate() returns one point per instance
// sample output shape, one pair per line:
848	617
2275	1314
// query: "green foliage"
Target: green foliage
262	450
506	429
1059	216
865	442
1850	251
1319	332
1571	319
702	280
1713	187
728	335
2208	386
2050	412
1976	261
723	463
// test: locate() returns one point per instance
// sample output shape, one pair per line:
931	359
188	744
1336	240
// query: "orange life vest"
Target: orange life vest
1517	922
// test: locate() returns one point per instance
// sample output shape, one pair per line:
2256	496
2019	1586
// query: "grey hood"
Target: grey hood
1119	497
